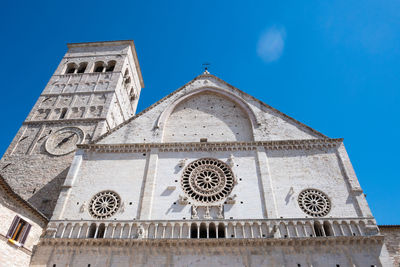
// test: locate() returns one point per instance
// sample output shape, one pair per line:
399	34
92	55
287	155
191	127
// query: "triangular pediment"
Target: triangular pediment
208	108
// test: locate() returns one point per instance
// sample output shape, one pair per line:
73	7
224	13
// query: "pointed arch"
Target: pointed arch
208	89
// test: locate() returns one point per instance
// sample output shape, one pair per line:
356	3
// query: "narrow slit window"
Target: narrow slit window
63	113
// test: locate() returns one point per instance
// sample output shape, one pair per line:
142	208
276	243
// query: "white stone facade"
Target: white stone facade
208	175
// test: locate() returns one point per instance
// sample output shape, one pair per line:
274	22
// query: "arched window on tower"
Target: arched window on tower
82	67
111	65
71	68
99	66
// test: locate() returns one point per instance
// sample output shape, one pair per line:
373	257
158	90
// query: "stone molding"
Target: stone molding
213	146
195	243
87	73
62	121
79	93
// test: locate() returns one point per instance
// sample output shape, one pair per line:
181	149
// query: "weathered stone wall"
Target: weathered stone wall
212	253
11	255
392	241
93	102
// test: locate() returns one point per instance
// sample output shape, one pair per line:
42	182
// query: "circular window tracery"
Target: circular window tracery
104	204
207	180
314	202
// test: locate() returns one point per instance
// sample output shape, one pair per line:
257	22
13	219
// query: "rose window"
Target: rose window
104	204
207	180
314	202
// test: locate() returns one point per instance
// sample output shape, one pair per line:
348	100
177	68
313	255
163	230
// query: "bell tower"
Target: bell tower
95	88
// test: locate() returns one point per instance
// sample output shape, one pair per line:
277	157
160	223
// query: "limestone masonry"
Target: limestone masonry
207	176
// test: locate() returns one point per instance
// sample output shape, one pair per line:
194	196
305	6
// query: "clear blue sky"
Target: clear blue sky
334	65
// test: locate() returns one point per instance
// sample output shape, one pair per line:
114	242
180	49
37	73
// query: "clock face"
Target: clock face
64	141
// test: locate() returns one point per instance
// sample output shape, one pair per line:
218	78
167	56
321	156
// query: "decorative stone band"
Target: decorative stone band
214	146
228	229
62	121
100	92
246	243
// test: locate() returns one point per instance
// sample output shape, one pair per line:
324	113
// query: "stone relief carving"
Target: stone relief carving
194	212
231	200
230	161
83	207
183	200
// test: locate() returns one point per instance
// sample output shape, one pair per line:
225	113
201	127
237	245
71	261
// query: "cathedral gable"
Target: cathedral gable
207	115
210	109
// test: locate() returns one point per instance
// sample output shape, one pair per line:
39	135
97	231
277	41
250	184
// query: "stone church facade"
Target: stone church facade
208	175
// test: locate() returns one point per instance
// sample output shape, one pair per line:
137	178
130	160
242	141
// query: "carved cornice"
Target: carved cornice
79	93
62	121
223	242
214	146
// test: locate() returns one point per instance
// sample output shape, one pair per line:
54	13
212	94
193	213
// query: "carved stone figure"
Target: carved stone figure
194	212
183	200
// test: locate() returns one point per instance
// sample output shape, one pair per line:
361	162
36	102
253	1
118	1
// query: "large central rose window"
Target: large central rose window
207	180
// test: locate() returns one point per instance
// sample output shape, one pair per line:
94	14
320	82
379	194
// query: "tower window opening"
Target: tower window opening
111	66
99	66
82	67
71	68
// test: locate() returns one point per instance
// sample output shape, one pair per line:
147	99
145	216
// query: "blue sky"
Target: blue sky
334	65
